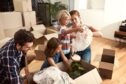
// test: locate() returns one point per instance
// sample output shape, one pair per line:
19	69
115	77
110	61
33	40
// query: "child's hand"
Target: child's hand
69	69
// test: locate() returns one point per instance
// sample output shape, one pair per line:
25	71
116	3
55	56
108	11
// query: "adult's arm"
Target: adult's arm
10	67
72	30
96	33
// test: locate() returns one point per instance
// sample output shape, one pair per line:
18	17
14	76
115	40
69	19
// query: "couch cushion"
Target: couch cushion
2	35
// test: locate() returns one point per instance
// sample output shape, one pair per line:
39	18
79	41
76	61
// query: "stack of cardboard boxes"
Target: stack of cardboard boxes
28	16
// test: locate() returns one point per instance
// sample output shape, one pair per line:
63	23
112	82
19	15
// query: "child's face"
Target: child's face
75	20
64	20
59	48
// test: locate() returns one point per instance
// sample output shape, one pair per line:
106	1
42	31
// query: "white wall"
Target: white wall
95	4
94	17
113	17
80	4
106	19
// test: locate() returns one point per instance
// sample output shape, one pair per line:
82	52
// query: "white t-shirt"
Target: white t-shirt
82	40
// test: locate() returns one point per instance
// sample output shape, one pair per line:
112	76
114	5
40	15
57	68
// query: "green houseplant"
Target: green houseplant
56	7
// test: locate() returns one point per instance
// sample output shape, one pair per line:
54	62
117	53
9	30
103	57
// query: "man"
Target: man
12	56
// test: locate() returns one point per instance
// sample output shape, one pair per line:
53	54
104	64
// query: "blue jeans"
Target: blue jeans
85	54
56	59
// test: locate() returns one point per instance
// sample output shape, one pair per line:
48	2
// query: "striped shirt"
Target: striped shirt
65	39
10	59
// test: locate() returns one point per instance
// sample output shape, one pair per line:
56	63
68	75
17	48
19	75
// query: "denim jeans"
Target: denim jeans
56	59
85	54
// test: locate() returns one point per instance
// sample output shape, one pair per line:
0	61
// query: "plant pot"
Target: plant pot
55	23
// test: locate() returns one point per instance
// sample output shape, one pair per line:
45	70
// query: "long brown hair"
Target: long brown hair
52	44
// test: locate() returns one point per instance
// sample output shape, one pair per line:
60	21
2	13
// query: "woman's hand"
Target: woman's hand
79	29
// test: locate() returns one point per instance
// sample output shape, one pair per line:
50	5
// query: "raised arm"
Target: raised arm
71	30
96	33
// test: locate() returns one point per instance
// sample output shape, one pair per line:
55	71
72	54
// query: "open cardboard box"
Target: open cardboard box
107	63
43	34
90	77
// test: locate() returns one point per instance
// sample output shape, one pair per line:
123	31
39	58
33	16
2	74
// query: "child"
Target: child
53	52
64	32
83	39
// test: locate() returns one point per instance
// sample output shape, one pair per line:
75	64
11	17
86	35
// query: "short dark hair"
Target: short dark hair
23	36
52	44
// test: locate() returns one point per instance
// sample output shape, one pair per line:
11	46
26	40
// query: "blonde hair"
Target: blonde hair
62	14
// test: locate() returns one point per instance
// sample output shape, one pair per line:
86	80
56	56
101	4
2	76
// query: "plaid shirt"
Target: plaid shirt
10	59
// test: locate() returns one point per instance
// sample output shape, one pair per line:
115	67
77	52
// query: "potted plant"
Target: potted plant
54	9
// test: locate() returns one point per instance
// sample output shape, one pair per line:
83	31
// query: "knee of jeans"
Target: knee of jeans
86	60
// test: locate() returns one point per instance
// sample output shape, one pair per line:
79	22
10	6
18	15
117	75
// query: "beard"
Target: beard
24	52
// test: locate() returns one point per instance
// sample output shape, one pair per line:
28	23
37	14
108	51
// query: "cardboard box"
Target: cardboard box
22	5
1	21
34	66
10	19
29	19
11	31
107	63
40	55
40	47
90	77
2	34
43	34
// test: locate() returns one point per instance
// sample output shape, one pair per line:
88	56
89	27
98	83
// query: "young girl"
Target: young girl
53	52
83	39
64	32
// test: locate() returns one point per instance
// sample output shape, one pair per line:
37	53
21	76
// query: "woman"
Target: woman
53	52
81	43
64	32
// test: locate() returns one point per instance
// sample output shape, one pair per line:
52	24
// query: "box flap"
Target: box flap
91	77
49	36
39	28
37	34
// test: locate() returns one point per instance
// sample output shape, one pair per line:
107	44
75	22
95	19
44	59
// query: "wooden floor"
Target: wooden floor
98	44
119	72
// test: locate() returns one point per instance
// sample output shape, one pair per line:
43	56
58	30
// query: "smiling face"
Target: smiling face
64	20
58	49
75	20
26	47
